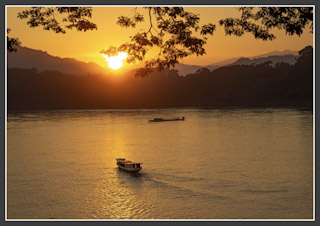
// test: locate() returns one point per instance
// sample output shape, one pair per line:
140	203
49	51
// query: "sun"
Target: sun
115	62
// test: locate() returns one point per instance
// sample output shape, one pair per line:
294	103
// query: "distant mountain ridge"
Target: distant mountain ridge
286	56
290	59
273	53
28	58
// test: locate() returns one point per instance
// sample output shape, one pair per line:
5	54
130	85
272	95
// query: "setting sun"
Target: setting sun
116	62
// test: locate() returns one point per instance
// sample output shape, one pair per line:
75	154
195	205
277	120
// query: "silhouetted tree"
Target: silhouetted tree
305	61
75	17
260	20
202	70
46	17
12	43
176	23
305	55
173	33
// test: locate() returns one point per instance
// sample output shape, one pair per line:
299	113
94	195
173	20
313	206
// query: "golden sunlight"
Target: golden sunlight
116	62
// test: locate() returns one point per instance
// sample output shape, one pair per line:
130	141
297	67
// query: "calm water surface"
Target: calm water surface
218	164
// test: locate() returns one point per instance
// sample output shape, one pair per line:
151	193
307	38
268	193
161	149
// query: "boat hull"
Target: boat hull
133	170
166	120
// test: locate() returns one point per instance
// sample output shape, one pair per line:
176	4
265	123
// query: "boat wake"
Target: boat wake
184	186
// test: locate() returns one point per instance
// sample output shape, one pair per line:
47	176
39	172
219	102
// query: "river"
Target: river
217	164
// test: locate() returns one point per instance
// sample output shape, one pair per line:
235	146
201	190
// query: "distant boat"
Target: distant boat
129	166
166	119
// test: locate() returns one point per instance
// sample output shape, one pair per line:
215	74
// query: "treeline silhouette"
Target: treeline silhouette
260	85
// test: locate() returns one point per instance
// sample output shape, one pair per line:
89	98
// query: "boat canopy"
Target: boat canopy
131	163
127	162
120	159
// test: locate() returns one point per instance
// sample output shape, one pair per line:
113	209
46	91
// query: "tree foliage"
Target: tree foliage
179	25
12	43
305	58
173	30
74	17
56	19
260	20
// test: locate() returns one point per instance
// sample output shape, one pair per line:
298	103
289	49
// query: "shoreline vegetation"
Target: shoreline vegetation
238	86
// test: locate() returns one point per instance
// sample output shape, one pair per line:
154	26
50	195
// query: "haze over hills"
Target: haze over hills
260	56
290	59
286	56
28	58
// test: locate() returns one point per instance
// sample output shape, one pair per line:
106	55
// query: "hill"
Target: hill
290	59
254	85
30	58
286	56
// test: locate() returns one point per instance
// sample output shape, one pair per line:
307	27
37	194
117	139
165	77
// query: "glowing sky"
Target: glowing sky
86	46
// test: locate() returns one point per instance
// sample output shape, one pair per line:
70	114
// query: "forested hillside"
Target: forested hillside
259	85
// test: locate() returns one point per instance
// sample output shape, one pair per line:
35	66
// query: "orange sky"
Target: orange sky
86	46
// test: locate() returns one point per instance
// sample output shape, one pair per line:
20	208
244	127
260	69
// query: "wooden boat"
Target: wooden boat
129	166
165	120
